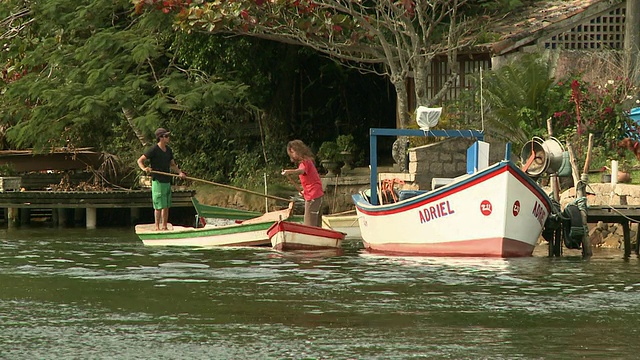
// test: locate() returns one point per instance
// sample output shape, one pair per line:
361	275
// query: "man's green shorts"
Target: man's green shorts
161	194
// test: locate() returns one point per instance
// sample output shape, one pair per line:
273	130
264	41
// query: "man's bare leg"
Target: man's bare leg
165	218
157	215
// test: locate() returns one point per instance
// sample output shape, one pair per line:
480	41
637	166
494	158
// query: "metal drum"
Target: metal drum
554	150
533	157
540	155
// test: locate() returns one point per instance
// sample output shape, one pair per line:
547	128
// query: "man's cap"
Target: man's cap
161	132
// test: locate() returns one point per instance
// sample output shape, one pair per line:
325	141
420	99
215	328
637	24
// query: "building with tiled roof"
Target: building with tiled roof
568	29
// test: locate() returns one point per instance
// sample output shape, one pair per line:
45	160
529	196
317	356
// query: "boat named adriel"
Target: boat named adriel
492	211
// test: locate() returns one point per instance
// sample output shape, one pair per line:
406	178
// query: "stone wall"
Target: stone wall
338	190
445	159
605	194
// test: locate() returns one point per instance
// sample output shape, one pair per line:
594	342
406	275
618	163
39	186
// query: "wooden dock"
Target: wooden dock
620	214
85	199
16	202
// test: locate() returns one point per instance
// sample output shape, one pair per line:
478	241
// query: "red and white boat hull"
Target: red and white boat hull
293	236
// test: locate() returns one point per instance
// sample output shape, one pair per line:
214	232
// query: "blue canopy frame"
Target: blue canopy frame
373	147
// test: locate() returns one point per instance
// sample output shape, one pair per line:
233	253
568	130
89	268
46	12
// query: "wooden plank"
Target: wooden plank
617	214
83	199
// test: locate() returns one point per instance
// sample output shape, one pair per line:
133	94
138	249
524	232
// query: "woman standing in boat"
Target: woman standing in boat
300	154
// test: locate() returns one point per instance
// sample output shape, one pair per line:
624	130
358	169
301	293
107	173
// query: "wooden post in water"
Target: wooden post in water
581	191
62	216
91	217
555	245
13	217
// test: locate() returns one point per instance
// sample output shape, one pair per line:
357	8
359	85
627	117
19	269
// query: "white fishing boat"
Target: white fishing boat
496	210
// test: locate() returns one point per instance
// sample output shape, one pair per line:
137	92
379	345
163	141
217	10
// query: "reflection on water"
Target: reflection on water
78	294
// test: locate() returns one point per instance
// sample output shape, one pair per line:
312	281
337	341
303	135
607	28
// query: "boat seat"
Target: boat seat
440	182
407	194
366	194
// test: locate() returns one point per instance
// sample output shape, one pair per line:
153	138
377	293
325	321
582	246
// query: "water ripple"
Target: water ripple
87	295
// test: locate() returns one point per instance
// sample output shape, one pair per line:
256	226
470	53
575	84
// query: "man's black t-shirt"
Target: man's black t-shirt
160	161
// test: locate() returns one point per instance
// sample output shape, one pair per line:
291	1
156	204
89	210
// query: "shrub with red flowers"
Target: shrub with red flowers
600	109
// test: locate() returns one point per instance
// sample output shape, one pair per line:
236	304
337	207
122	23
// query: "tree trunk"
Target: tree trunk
632	39
420	82
402	103
128	114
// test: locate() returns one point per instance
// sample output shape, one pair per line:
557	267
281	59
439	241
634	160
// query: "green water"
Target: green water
99	294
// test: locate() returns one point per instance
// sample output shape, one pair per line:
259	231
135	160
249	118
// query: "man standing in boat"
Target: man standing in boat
160	157
300	154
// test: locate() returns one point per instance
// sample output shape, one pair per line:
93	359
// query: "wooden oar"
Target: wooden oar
222	185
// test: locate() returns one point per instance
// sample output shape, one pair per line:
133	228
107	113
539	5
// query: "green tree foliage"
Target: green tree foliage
87	73
520	97
515	97
297	93
396	39
599	109
74	68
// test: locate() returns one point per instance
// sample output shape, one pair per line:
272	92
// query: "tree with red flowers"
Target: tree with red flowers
396	39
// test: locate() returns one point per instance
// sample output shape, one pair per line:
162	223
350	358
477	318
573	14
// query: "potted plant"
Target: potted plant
346	143
624	171
329	155
347	147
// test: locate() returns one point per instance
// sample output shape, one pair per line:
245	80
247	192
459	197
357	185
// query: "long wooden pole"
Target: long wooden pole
555	184
222	185
294	184
581	192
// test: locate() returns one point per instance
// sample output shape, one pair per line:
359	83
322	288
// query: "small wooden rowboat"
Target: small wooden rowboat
286	235
252	232
347	224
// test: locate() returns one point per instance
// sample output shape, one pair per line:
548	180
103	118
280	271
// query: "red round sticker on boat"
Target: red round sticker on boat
485	207
516	208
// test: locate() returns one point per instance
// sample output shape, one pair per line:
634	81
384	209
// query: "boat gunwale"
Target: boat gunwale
464	182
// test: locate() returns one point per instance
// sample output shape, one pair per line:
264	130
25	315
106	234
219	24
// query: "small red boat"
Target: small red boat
286	235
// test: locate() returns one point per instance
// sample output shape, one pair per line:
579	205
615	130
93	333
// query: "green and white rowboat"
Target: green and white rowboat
252	232
219	212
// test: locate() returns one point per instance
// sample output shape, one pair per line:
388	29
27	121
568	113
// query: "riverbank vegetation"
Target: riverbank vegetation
96	73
